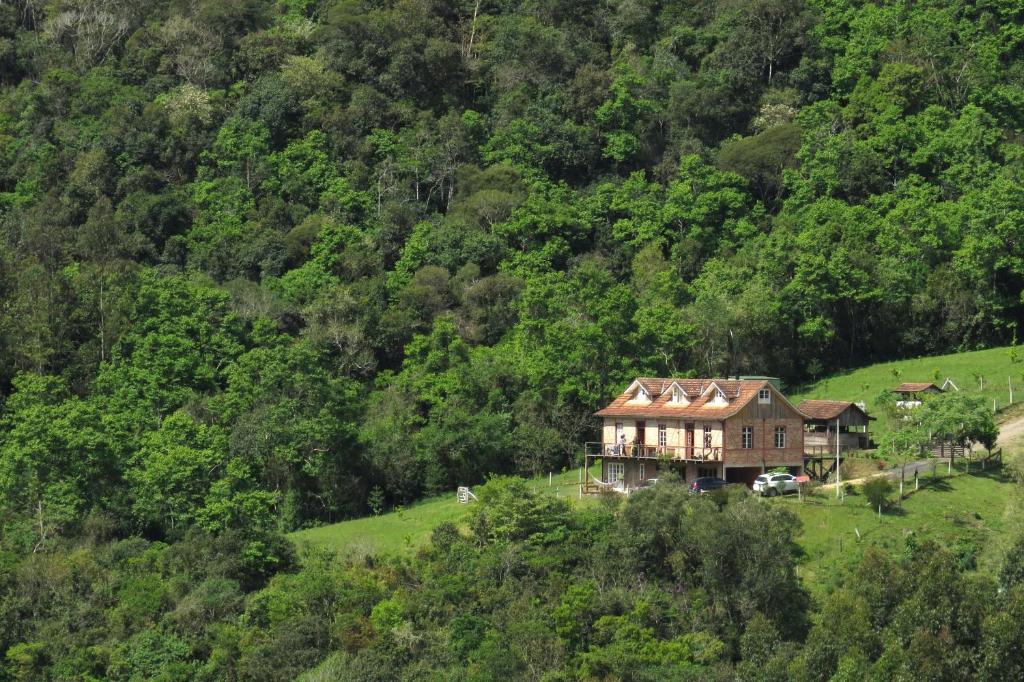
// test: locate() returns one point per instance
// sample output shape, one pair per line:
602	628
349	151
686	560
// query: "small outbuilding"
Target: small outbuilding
909	394
832	420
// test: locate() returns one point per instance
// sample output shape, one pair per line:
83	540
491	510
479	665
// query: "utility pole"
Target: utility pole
839	486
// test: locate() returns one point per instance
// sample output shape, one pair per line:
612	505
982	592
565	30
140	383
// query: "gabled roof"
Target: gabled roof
828	409
717	384
657	386
738	392
911	387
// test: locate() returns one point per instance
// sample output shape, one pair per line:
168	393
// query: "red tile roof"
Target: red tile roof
911	387
827	409
739	392
691	387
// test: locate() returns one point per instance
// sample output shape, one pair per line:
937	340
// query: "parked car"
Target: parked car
706	484
775	484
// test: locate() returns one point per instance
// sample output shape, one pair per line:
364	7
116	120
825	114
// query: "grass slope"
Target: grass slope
403	531
967	513
994	365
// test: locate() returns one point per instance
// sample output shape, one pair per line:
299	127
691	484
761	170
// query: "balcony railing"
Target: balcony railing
636	451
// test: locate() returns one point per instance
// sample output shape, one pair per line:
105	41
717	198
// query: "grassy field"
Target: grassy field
967	513
403	531
975	515
994	366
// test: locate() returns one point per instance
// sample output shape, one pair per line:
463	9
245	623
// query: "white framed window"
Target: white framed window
677	395
780	436
641	394
707	436
719	396
662	435
748	437
619	432
764	396
616	472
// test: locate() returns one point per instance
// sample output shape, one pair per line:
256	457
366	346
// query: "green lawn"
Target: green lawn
403	531
968	513
975	515
994	365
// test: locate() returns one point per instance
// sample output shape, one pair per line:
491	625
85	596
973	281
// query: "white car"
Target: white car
775	484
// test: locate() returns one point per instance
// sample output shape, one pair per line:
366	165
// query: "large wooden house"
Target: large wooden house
730	428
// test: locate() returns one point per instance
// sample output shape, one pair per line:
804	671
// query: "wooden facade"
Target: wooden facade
730	428
835	422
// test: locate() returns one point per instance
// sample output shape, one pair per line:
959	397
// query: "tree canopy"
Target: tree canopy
266	264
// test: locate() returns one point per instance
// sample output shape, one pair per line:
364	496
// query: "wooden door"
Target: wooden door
689	440
641	437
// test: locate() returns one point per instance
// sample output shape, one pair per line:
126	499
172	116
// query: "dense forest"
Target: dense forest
266	264
666	586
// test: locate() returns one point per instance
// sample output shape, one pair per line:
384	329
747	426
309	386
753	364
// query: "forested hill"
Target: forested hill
267	264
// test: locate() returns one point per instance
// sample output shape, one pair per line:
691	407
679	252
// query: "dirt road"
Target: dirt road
1011	433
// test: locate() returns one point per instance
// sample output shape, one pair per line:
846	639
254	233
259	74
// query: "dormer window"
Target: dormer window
677	396
642	394
716	396
764	396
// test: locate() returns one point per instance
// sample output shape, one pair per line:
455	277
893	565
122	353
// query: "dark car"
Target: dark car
706	484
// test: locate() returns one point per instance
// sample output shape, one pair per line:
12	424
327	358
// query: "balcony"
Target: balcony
679	453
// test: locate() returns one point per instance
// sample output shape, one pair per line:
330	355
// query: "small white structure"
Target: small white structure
464	495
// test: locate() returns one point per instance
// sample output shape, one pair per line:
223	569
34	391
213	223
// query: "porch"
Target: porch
624	469
821	442
680	453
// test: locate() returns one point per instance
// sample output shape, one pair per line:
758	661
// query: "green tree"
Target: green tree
58	461
877	490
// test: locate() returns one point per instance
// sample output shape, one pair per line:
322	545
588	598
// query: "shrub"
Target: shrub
877	490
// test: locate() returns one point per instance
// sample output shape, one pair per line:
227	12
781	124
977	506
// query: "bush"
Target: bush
878	490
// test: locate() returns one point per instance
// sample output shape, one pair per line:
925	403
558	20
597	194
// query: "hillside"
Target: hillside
272	265
342	255
403	531
830	545
987	373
